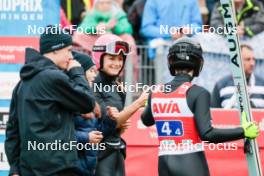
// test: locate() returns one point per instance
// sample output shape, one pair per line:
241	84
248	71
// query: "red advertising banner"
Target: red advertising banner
142	147
12	49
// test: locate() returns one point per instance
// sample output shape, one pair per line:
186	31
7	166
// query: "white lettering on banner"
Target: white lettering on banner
8	82
25	10
12	48
21	5
3	120
3	159
7	57
261	125
22	16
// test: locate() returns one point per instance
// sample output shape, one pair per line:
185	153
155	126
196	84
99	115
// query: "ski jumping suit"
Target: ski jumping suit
111	160
182	115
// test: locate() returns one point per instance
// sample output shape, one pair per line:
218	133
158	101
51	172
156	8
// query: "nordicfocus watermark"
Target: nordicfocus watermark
189	146
172	30
133	88
38	30
59	145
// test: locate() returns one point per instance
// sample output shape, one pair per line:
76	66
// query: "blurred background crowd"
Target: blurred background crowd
139	22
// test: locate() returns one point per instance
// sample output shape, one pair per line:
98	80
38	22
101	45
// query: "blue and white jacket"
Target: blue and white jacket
87	159
223	95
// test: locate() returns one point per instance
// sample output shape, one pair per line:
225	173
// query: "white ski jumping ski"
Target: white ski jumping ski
252	152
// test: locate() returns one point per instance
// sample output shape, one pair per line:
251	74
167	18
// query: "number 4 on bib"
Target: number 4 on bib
169	128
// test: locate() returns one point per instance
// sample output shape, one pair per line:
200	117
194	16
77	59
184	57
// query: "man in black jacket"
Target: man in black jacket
40	130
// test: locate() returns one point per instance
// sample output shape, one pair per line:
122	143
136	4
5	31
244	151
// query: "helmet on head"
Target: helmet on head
109	44
185	53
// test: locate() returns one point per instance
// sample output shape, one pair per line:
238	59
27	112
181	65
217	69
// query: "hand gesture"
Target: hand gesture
97	110
88	115
240	30
251	130
143	98
113	112
73	63
95	137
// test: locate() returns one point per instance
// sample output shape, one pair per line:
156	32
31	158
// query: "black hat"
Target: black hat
185	53
53	38
84	59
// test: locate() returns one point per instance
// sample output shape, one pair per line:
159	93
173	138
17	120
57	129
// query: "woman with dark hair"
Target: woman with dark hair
110	53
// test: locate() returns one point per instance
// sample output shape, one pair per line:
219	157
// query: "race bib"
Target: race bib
169	128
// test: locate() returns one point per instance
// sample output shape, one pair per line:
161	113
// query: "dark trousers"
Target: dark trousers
68	172
111	165
185	165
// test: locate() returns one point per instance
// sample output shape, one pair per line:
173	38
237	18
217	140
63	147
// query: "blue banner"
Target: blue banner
9	74
4	167
27	17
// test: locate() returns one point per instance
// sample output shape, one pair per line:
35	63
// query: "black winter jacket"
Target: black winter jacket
41	112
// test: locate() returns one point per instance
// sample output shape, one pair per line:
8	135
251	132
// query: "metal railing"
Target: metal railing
150	72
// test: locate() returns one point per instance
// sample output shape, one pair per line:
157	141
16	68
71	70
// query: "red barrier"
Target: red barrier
142	147
12	49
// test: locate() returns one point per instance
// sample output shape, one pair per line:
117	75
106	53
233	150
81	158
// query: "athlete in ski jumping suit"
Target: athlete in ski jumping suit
111	51
182	116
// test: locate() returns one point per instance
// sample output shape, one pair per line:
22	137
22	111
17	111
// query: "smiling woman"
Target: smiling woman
109	54
113	64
